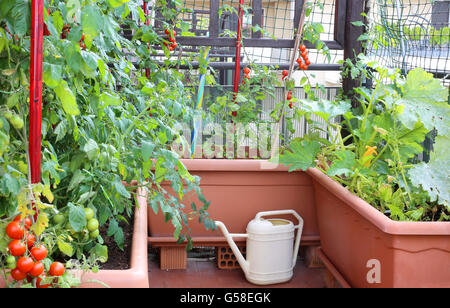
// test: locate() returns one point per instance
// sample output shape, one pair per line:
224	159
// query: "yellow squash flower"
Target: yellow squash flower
370	151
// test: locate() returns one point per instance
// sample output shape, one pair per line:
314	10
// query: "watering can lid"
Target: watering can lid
270	225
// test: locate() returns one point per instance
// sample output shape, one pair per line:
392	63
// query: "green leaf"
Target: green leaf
77	219
147	148
101	252
122	190
115	230
91	149
65	248
77	178
433	177
9	185
117	3
91	21
19	17
425	100
51	74
110	99
325	109
67	98
73	57
301	155
183	172
344	164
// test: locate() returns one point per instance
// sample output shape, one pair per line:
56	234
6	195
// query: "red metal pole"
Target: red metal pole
237	67
37	31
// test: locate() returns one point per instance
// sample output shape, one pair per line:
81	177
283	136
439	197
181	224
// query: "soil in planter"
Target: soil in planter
118	259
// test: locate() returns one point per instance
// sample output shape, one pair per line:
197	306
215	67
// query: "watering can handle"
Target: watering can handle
299	227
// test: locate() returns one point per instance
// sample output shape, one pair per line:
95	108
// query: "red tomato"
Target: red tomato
39	252
290	105
285	73
302	48
37	269
56	269
39	280
17	248
304	54
25	264
46	32
172	40
26	222
18	274
299	61
174	45
289	96
15	231
246	71
307	62
31	238
167	31
174	33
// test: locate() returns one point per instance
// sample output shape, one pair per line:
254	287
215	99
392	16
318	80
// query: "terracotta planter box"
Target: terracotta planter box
238	190
355	237
137	275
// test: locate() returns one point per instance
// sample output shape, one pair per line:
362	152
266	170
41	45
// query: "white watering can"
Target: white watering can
271	253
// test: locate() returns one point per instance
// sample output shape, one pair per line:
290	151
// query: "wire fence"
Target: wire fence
277	22
408	34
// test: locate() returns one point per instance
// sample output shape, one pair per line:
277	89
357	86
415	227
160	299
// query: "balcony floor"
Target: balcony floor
204	273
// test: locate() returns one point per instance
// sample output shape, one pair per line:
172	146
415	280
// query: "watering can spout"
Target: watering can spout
229	237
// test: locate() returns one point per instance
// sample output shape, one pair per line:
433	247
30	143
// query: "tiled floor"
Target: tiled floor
205	274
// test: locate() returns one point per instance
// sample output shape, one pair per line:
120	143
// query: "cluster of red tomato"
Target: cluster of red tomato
29	253
246	74
171	37
302	65
65	33
303	54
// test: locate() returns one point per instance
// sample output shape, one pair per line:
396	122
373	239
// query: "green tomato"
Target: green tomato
8	115
94	234
11	260
59	218
92	225
89	213
12	265
17	122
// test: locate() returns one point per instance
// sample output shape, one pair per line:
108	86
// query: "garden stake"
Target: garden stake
199	105
147	22
291	70
237	68
34	147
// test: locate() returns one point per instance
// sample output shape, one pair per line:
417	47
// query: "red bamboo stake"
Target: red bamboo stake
37	32
34	146
237	68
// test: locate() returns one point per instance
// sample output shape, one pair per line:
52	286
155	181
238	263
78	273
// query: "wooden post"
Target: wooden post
353	47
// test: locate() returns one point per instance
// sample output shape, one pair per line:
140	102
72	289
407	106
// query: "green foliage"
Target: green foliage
375	160
433	176
104	122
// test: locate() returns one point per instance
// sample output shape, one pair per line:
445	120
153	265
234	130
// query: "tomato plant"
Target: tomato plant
96	130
